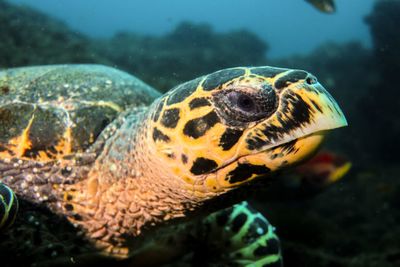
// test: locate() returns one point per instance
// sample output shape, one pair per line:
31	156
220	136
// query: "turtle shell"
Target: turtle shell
47	112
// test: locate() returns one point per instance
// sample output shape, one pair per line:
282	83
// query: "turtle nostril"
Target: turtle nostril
311	80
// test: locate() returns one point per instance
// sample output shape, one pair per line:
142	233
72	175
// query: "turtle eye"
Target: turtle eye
239	106
242	101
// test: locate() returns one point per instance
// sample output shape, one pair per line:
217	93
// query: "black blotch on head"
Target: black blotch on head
289	147
272	248
316	106
199	102
291	77
158	135
170	117
69	197
184	158
267	72
245	171
181	92
203	165
220	77
229	138
198	127
158	110
238	222
301	111
255	143
272	131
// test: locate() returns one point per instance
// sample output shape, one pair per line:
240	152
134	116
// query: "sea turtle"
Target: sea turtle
106	167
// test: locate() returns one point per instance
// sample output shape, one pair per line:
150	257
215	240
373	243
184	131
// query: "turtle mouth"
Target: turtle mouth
308	143
246	168
320	134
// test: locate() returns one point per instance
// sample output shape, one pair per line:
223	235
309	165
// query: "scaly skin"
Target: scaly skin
176	159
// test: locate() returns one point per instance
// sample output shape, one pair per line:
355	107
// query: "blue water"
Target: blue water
289	26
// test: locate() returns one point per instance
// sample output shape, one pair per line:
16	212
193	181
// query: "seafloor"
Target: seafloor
354	222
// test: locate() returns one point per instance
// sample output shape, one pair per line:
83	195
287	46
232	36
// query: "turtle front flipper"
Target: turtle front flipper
8	207
240	235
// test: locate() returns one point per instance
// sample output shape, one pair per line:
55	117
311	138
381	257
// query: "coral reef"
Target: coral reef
29	37
382	101
188	51
383	23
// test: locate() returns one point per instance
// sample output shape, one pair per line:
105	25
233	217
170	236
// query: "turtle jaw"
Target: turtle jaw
248	167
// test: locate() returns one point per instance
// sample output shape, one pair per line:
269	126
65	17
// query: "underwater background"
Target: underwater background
354	52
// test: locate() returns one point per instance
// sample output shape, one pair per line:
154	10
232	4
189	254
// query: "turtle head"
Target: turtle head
232	126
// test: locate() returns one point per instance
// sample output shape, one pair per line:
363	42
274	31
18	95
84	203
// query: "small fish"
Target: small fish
322	170
308	179
326	6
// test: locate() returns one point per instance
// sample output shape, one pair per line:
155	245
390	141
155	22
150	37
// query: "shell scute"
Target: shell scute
51	111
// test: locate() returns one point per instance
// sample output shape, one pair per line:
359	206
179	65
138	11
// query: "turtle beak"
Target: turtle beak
312	107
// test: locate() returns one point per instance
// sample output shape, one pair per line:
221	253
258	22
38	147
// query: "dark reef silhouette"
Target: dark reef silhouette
382	100
353	223
29	37
188	51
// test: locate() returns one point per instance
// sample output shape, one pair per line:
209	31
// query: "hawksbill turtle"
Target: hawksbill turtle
108	169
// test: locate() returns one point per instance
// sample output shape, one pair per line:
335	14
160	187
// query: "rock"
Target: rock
29	37
188	51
